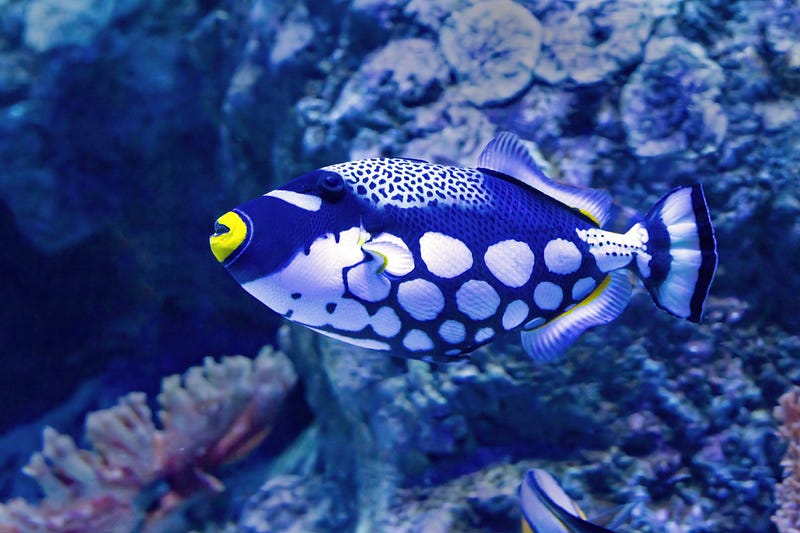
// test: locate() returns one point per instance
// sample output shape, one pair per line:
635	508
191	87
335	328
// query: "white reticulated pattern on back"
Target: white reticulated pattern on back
405	183
510	261
445	256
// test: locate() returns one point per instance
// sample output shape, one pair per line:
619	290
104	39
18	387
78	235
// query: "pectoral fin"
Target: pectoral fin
391	253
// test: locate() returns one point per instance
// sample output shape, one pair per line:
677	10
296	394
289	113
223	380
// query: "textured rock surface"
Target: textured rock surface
669	104
588	40
493	48
52	24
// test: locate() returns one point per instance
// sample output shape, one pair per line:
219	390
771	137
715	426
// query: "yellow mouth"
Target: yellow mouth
230	232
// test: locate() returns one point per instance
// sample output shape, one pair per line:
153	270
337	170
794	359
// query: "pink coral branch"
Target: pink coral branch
211	415
787	493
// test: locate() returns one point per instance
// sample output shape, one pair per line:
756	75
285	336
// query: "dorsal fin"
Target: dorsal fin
506	154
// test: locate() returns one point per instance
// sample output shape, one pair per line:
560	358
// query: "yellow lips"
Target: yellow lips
230	232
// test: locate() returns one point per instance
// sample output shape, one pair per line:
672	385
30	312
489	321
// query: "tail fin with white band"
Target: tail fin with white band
683	252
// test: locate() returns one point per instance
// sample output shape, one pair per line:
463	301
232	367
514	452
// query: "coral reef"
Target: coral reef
783	37
209	416
668	105
588	40
492	47
787	493
412	443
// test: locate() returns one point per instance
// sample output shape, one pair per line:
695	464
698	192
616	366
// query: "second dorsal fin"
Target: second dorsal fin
506	154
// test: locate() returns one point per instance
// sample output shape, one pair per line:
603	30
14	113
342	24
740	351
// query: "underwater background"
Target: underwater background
127	127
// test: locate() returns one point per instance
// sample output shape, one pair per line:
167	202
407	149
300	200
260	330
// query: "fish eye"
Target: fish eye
331	186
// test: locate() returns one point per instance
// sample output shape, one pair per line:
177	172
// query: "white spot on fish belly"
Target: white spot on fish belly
385	322
317	275
477	299
421	299
547	295
582	288
484	334
417	340
452	331
365	283
562	256
349	315
445	256
515	314
510	261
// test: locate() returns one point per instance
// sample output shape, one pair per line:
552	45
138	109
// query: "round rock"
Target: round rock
492	47
669	104
587	40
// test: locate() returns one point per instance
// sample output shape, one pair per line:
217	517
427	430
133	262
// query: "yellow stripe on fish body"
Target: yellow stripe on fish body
431	261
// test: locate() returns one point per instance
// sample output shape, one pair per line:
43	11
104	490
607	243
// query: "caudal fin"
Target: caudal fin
682	250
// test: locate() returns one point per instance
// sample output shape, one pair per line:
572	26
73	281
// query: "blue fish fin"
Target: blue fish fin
546	508
506	154
549	341
681	255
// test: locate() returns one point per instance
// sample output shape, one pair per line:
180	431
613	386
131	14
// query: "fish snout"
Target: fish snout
230	233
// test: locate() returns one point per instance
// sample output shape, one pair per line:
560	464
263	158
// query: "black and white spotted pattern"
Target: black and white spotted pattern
406	183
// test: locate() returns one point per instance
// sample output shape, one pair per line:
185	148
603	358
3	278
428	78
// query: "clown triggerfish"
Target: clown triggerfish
430	261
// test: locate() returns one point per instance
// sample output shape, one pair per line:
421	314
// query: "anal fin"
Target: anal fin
550	340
